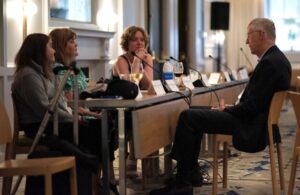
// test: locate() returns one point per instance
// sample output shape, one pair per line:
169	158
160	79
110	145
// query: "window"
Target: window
286	17
75	10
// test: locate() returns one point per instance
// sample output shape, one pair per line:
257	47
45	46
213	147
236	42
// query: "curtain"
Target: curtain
241	13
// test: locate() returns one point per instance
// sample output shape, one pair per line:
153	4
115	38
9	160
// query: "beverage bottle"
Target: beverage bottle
168	73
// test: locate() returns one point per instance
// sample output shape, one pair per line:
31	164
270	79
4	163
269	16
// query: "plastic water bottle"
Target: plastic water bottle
168	73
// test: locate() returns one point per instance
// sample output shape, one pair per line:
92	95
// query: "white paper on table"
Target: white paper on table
187	82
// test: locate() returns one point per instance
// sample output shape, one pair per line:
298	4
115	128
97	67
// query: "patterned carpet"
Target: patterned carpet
248	173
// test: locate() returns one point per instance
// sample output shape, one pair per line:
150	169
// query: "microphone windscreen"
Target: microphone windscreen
74	67
124	88
171	57
57	69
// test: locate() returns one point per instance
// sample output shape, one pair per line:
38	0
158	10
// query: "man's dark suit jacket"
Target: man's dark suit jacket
272	74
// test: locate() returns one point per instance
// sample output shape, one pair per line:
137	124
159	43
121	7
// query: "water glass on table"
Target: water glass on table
178	71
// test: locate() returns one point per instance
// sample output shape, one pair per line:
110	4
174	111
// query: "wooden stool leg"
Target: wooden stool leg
48	184
225	164
293	174
273	169
215	165
73	181
144	173
7	184
280	166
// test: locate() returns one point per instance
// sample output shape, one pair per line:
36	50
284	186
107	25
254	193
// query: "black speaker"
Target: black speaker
219	13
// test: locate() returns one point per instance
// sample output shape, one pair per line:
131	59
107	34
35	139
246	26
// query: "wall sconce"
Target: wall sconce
106	20
29	9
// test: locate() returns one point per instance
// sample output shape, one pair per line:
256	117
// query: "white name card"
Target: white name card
226	75
156	88
205	79
172	85
187	82
235	74
214	78
244	74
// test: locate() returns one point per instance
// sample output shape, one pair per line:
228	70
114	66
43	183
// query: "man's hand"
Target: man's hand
221	106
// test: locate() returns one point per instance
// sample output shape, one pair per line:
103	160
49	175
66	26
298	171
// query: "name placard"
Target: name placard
205	79
235	74
172	85
187	82
156	88
243	74
214	78
227	77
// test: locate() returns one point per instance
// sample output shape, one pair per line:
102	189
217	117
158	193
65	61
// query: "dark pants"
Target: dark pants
89	135
191	125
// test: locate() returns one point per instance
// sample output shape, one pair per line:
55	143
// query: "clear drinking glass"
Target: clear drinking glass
136	73
178	71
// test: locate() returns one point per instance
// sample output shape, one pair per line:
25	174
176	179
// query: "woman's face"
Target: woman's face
50	52
71	49
138	42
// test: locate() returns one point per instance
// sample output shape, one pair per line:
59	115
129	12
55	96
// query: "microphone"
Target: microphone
164	83
72	66
198	82
250	67
59	68
246	57
230	71
134	54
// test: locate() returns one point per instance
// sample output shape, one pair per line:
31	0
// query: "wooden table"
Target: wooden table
154	119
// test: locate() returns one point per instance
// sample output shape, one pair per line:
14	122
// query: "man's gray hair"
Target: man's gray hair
265	25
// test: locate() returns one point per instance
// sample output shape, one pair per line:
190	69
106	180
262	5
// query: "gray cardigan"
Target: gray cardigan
33	92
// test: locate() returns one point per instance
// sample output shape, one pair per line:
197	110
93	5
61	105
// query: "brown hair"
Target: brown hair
60	38
33	49
129	34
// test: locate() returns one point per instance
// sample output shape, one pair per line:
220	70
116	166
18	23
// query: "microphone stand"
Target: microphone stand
48	114
218	60
198	82
163	81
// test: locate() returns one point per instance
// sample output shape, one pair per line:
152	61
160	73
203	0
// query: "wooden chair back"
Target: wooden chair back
275	107
5	130
273	118
21	144
45	166
295	98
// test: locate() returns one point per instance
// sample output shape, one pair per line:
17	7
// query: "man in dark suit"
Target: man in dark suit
246	121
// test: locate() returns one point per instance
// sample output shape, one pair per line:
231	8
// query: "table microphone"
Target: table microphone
59	68
230	71
246	57
198	82
249	62
72	66
163	81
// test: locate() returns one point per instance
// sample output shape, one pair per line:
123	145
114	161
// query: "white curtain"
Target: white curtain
241	13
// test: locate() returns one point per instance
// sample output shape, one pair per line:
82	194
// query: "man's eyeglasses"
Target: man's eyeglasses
249	33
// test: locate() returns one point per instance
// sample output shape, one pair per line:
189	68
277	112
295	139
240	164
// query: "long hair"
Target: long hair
60	38
33	49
